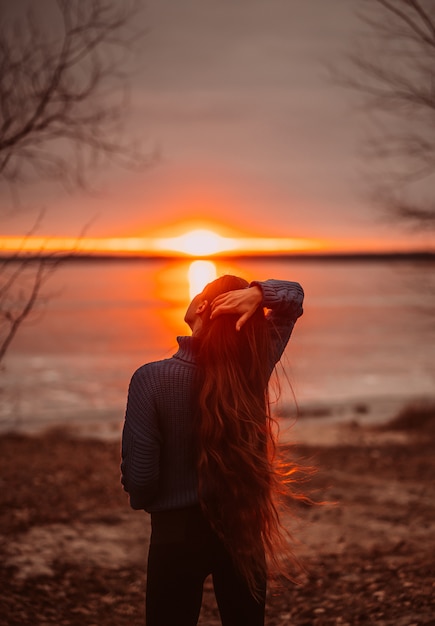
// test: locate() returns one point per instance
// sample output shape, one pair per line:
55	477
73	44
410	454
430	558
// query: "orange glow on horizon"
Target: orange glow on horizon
199	243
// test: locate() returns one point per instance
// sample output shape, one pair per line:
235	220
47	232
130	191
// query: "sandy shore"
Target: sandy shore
73	553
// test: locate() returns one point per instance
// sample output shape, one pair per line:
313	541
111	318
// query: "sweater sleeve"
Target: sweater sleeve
283	299
140	443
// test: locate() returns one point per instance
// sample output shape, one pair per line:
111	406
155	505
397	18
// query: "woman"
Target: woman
198	454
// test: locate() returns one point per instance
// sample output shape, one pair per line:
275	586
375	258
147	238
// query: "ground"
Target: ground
73	553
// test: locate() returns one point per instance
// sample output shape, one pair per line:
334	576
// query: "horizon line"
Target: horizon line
200	244
57	256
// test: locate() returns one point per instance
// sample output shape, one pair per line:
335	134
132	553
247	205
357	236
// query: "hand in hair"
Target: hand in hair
243	302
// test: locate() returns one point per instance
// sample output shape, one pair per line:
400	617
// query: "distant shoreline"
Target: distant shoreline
419	256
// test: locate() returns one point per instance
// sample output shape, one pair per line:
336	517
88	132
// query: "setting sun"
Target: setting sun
199	242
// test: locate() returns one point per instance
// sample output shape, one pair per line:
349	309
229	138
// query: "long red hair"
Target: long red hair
241	480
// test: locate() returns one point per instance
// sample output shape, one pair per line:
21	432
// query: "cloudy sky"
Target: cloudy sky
253	135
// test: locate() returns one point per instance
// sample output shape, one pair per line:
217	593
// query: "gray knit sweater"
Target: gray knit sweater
158	467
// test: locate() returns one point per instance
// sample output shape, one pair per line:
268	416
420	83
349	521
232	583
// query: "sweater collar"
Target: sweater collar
187	349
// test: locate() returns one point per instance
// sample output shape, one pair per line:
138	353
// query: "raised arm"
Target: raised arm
282	298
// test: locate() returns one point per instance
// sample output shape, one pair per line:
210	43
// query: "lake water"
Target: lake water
364	347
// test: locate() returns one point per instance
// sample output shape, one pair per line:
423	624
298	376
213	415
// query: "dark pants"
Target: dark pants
183	552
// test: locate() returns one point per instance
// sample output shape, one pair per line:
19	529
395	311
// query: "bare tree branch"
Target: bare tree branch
393	68
17	302
63	100
63	104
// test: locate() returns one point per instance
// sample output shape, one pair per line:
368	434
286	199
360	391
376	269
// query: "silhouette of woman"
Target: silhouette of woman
198	453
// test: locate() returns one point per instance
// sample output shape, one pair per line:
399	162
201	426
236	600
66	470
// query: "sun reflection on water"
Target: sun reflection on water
199	274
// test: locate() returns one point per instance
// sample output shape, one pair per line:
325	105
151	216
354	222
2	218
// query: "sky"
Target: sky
253	136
